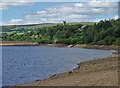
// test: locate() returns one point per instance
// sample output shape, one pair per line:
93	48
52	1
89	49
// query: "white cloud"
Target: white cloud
71	12
16	21
74	12
17	1
41	12
5	4
98	3
116	17
78	5
58	0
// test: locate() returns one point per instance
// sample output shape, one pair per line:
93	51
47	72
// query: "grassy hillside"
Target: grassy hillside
30	26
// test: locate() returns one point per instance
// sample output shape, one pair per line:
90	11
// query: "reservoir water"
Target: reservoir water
21	64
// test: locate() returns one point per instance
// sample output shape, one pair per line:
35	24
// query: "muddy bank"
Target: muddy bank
18	43
109	47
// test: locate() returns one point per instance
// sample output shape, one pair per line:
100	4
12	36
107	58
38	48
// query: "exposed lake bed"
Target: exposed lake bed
18	62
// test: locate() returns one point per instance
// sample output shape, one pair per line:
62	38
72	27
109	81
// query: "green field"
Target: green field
33	26
53	24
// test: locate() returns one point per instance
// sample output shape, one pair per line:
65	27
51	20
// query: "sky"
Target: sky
19	12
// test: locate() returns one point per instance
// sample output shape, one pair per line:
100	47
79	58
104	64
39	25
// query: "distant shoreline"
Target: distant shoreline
24	43
17	43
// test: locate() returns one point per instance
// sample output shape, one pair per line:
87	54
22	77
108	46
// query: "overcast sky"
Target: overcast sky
24	12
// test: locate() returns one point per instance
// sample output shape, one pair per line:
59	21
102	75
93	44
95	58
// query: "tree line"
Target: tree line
105	32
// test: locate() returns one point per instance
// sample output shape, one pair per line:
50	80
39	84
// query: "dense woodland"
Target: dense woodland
105	32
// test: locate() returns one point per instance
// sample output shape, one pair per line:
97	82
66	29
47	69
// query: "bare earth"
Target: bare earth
99	72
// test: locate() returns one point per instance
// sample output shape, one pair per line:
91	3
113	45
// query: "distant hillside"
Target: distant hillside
105	32
44	25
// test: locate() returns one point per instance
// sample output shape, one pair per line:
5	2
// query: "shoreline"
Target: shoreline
18	43
88	69
109	47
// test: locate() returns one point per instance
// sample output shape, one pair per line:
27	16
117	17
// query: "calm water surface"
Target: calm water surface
23	64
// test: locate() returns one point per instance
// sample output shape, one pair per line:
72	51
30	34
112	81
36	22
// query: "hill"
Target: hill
105	32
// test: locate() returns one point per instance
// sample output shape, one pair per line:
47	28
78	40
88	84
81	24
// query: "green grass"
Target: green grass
83	23
32	26
69	23
9	32
20	33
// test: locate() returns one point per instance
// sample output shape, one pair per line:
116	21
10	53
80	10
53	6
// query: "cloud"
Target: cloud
74	12
116	17
78	5
5	4
16	21
98	3
59	0
71	12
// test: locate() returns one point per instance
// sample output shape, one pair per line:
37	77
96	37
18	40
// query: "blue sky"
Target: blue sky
55	12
